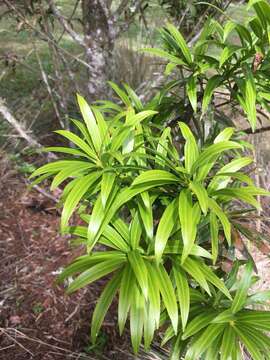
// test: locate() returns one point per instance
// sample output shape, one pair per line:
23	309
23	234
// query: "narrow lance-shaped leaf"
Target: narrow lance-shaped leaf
198	323
95	273
250	99
228	343
156	178
154	292
249	343
188	227
125	296
146	213
212	84
244	284
140	270
79	142
135	231
192	268
76	195
165	55
168	295
103	304
214	235
206	339
223	219
192	92
166	224
107	183
181	42
191	151
136	318
183	294
90	121
201	194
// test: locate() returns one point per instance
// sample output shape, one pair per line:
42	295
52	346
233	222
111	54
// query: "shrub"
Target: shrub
166	202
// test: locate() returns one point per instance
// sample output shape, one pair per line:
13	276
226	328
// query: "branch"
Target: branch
49	89
75	36
17	126
48	39
20	129
257	131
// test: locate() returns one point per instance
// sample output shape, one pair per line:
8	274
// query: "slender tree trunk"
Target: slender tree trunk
99	42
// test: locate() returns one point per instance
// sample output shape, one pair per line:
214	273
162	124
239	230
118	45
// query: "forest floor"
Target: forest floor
37	319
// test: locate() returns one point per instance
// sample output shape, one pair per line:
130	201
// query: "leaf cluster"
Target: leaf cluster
163	209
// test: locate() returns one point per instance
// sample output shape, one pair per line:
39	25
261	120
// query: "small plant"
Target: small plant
169	200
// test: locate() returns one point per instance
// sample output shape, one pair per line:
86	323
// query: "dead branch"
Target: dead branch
23	133
75	36
49	89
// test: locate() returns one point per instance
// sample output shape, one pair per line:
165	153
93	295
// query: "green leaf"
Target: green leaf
95	273
146	213
180	42
192	92
162	147
168	295
198	323
191	151
228	28
65	150
72	171
136	119
250	99
182	293
103	305
115	238
85	262
249	343
154	292
223	219
206	339
244	285
177	348
90	122
224	135
165	55
134	97
136	319
107	183
192	267
125	296
79	142
201	194
135	231
149	326
164	229
122	95
227	52
214	228
140	270
56	166
156	178
212	151
211	85
75	195
233	166
188	226
214	279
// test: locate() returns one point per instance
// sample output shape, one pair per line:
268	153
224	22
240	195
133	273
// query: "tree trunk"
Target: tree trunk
99	42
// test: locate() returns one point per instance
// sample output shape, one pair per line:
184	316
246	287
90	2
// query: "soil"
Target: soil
37	319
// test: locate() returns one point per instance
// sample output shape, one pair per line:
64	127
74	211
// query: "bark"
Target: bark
99	40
